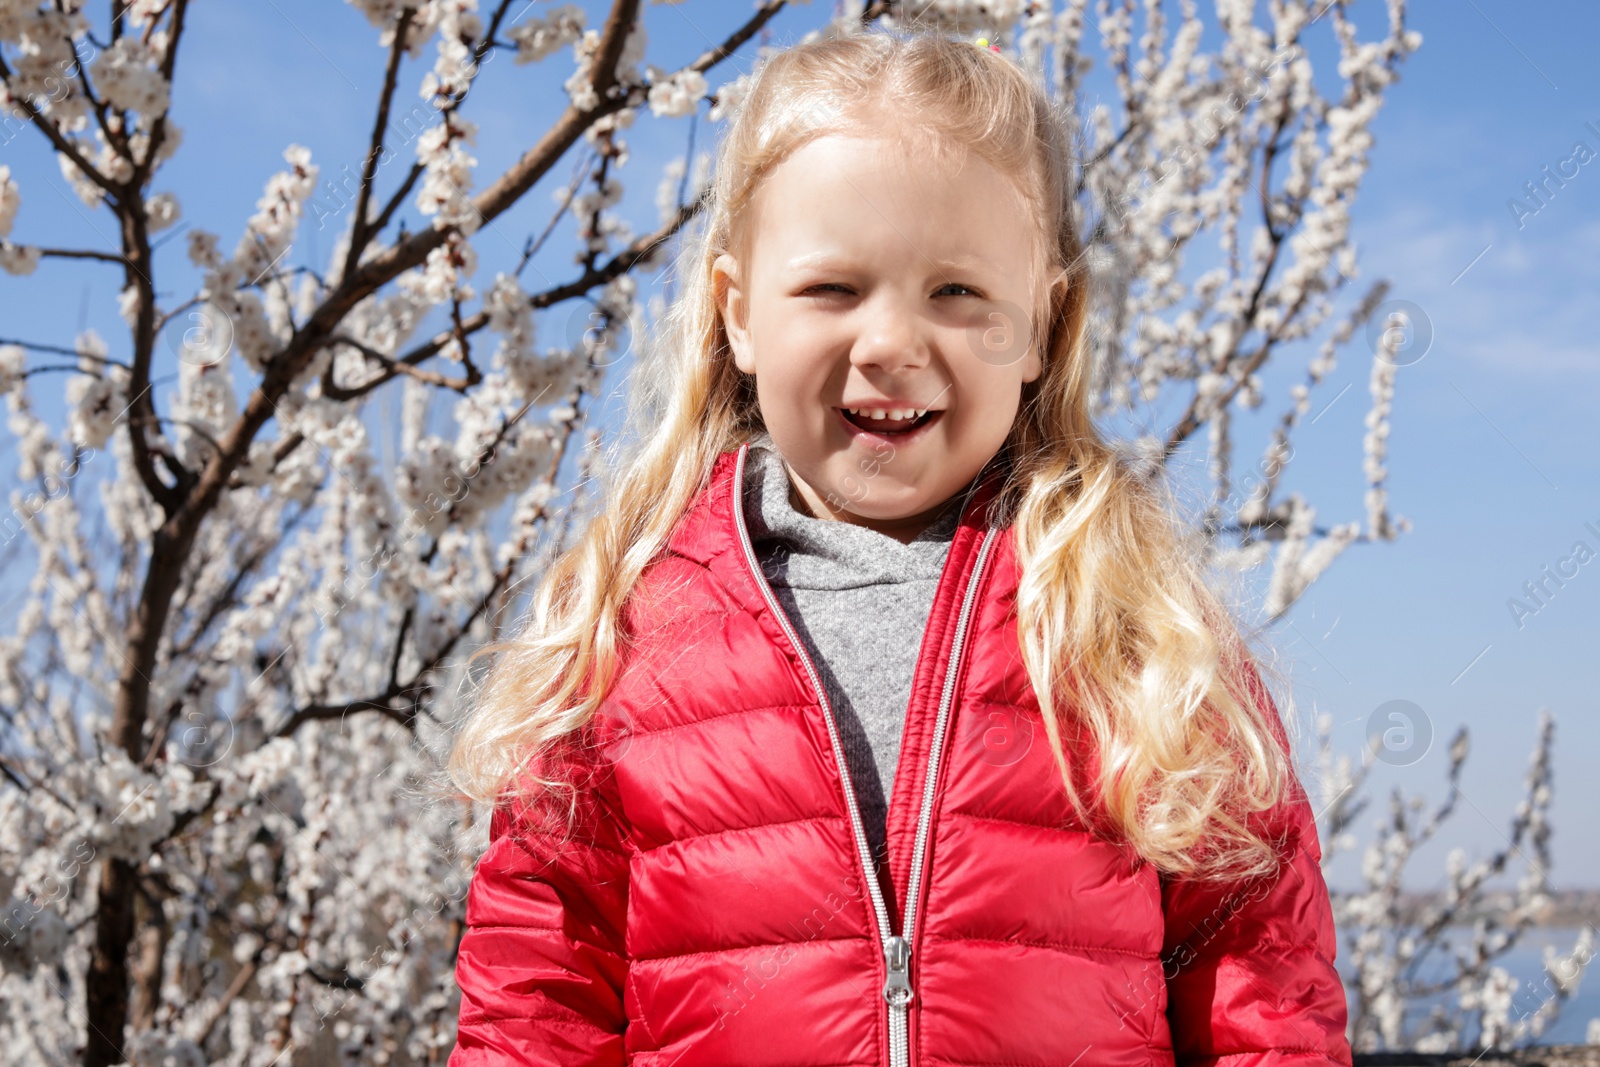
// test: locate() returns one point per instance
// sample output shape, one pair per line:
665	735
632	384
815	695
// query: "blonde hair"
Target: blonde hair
1129	650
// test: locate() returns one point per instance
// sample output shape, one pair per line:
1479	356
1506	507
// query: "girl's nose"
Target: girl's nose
892	338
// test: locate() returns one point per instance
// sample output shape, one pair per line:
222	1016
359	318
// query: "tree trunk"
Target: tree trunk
153	934
107	992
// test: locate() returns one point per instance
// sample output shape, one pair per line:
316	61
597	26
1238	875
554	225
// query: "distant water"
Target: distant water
1525	963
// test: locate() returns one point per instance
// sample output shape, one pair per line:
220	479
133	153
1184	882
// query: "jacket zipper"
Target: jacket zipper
896	948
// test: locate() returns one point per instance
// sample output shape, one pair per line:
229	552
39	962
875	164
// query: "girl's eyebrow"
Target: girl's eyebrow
956	264
819	260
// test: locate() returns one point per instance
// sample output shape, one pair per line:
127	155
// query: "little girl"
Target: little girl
882	715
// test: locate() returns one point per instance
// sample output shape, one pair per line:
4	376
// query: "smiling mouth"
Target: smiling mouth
862	419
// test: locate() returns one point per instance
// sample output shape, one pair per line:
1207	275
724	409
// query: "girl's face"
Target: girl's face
883	281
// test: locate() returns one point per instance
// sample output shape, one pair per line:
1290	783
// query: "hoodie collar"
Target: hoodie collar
711	531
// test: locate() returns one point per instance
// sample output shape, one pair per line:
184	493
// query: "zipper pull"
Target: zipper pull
897	990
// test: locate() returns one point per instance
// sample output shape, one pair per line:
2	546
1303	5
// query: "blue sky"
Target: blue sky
1492	453
1492	456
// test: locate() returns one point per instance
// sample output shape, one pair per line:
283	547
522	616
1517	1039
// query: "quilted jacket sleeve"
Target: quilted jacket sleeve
1249	965
542	965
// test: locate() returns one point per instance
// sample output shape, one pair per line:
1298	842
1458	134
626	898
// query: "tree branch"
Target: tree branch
382	221
61	142
143	169
333	391
359	232
75	253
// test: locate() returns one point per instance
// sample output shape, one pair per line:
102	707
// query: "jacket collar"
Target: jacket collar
711	530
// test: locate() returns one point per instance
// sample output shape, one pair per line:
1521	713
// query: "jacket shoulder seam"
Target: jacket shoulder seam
550	1019
704	565
738	830
711	575
517	835
746	948
1059	946
1014	822
719	715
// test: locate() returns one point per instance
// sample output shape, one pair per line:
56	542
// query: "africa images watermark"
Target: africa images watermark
1552	578
56	886
56	86
334	197
1154	983
1542	191
737	997
453	489
54	484
1208	126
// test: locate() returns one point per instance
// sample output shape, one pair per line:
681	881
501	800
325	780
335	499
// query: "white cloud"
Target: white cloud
1526	304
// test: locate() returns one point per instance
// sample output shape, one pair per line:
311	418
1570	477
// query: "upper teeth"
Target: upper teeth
891	413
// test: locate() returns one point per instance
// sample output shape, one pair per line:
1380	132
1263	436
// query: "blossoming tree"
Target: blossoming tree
1427	976
232	668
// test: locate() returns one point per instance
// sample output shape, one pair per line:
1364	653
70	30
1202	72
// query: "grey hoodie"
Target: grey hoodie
859	600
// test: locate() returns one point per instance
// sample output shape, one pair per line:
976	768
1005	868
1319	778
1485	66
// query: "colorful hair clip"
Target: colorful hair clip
983	42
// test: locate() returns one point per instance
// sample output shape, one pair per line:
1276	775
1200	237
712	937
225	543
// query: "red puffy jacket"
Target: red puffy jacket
712	903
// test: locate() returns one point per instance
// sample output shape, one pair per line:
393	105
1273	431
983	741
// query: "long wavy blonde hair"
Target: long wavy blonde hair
1132	655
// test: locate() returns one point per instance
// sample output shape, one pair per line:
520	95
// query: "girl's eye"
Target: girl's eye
839	287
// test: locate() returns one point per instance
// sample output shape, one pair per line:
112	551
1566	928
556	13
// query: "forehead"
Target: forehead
889	198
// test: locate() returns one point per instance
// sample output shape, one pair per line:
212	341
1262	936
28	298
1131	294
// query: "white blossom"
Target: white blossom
448	176
202	249
580	85
538	38
13	360
40	939
676	95
129	79
10	200
162	211
445	273
729	96
964	16
459	28
18	259
139	12
1384	944
271	229
96	396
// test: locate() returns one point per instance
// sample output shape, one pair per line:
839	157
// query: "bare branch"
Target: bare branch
76	253
359	232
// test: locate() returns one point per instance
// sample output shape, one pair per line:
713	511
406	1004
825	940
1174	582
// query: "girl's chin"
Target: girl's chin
870	503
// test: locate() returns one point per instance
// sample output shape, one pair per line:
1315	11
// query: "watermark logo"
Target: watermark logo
205	738
202	336
1001	334
620	738
1003	735
592	333
1399	733
1400	332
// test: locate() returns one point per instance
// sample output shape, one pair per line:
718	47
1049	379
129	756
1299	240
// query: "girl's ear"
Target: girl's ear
1036	355
1033	364
735	308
